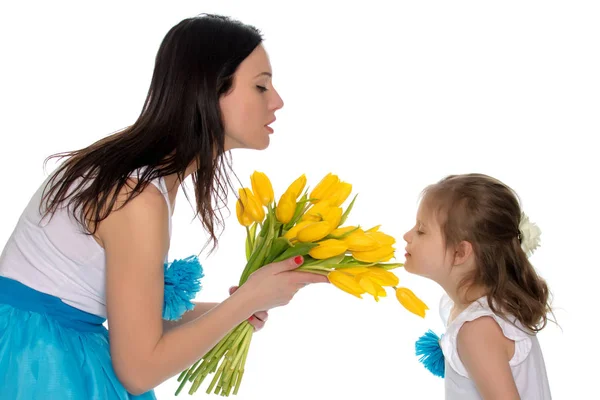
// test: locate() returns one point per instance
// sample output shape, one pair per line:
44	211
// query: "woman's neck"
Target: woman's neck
173	181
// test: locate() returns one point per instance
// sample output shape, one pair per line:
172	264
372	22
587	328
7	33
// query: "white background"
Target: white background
389	97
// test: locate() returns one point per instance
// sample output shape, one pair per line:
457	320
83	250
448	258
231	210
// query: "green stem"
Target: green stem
258	261
312	268
245	344
241	373
216	378
210	355
225	345
197	384
211	360
230	373
185	375
319	272
260	245
248	243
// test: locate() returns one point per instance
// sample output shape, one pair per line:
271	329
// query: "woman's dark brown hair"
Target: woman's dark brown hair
486	213
180	123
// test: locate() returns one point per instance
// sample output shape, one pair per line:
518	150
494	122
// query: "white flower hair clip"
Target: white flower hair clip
529	235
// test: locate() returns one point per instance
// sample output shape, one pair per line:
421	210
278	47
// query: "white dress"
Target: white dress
527	364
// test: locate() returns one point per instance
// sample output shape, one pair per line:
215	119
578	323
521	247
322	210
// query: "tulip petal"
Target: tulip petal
327	249
411	302
383	277
313	232
317	193
296	188
346	283
262	188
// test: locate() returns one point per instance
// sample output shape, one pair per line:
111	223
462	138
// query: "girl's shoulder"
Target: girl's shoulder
511	329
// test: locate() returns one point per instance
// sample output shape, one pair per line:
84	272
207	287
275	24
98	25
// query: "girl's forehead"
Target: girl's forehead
429	214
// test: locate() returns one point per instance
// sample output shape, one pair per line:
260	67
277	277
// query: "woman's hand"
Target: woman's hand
258	319
274	285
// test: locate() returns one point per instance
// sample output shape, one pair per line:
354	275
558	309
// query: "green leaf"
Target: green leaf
265	227
253	232
248	244
345	235
299	249
354	263
298	212
262	244
389	266
332	261
347	212
279	245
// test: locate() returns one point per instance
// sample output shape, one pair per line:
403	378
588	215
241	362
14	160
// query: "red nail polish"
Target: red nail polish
298	260
251	318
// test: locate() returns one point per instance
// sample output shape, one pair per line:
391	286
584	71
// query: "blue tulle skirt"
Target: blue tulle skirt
50	350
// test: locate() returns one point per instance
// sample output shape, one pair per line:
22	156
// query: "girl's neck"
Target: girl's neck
464	296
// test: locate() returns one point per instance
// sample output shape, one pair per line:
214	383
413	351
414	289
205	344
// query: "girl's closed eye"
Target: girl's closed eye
261	89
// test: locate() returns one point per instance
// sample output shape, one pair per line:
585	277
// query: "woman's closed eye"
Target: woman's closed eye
261	89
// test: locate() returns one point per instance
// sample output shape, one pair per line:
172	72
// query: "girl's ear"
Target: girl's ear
463	251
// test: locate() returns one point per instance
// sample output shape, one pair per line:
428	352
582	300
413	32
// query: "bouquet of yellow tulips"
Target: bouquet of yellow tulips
310	225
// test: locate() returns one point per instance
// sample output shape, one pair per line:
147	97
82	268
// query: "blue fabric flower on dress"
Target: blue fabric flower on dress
182	283
432	357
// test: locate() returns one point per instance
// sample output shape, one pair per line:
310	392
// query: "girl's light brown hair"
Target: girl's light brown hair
485	212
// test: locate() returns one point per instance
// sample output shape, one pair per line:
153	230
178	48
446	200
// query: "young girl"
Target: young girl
470	238
92	242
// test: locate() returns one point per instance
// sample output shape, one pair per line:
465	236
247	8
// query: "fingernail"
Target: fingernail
298	260
251	318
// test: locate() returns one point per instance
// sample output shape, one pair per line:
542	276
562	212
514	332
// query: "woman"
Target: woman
92	242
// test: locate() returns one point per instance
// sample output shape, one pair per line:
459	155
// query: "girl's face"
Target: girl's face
249	107
426	251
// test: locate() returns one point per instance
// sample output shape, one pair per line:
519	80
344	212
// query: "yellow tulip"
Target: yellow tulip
317	193
333	216
381	254
371	287
328	248
382	238
297	186
360	241
342	231
346	283
313	232
261	185
374	229
285	208
411	302
251	206
242	217
316	212
354	271
338	193
382	276
293	232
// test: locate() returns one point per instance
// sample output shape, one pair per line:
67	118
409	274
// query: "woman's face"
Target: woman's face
249	107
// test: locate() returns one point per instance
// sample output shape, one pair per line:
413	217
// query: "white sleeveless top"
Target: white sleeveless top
527	365
56	257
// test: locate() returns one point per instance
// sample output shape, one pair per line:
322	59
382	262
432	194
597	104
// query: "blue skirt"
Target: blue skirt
50	350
